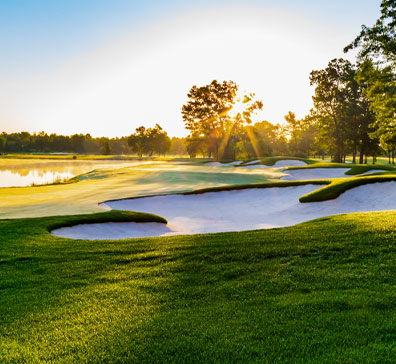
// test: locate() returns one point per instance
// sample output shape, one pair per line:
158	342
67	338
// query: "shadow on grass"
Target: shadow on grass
316	292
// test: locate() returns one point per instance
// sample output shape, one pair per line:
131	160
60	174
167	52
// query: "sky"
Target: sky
107	67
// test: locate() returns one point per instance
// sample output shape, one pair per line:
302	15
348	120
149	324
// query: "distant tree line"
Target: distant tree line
148	142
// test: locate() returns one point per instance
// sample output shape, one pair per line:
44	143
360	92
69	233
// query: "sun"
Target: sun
240	104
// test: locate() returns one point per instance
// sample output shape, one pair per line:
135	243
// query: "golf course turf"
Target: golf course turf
318	292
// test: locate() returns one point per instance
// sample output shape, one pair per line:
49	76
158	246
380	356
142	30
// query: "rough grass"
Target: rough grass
319	292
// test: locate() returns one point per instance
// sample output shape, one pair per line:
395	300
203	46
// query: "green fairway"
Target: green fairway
319	292
105	184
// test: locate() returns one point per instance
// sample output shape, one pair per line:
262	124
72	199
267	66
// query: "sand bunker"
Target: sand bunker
373	171
236	210
252	162
113	230
279	164
235	163
218	164
314	173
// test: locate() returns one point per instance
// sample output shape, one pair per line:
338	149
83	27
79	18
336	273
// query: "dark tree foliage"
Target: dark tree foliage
207	115
149	141
380	39
380	88
332	86
42	142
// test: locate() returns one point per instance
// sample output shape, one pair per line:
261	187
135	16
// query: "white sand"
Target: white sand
252	162
235	211
314	173
373	171
218	164
279	164
289	163
113	230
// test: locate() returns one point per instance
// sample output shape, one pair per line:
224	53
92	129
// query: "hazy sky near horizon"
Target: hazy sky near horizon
107	67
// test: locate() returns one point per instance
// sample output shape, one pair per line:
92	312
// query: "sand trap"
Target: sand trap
252	162
235	163
289	163
279	164
218	164
113	230
374	171
234	211
314	173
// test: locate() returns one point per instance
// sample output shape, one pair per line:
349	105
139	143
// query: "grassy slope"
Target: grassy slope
319	292
100	185
340	185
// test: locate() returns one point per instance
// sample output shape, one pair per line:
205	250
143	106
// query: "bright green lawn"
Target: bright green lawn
319	292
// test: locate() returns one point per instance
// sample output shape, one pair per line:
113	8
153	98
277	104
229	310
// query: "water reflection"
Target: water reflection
35	177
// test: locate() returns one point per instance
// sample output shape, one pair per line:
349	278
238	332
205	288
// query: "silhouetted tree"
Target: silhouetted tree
207	115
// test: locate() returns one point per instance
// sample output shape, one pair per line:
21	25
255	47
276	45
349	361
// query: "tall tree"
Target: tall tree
214	114
205	114
149	141
380	88
137	141
332	87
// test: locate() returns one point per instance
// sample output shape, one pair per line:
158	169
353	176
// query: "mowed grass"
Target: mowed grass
318	292
132	181
158	177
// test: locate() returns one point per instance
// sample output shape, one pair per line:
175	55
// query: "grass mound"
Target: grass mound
102	217
340	185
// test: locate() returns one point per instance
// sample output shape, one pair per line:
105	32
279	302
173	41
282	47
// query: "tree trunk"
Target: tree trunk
361	155
354	154
338	156
389	156
365	159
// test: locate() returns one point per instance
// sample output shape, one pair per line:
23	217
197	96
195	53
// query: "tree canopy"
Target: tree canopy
380	39
214	114
149	141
